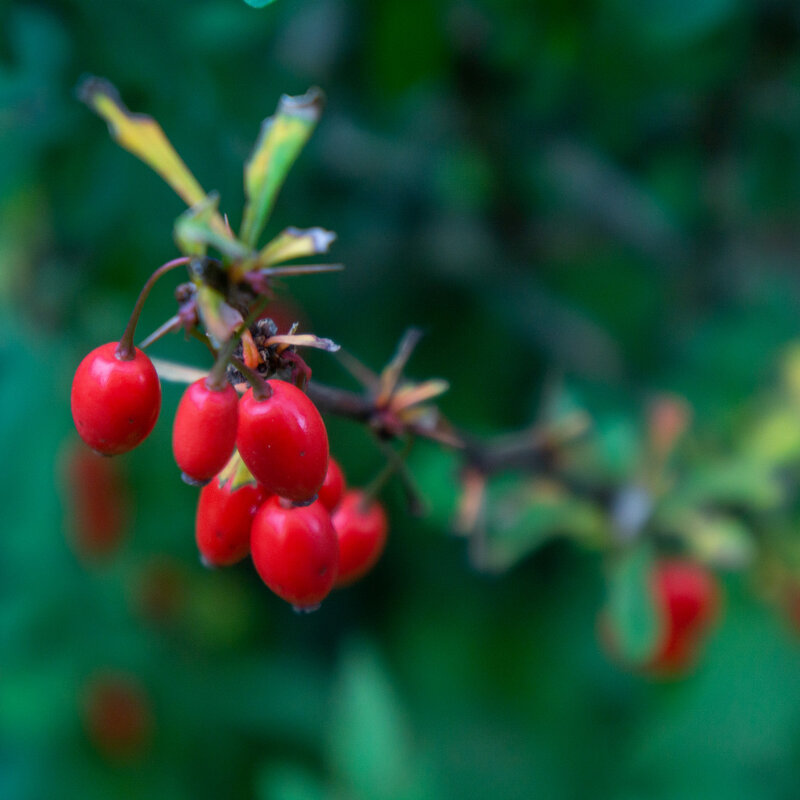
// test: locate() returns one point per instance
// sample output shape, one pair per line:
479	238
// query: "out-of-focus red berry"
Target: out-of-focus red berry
361	528
117	716
96	501
689	599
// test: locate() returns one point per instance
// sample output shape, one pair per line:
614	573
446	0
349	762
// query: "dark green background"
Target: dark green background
604	191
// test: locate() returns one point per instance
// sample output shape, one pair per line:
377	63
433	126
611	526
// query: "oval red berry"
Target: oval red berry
115	403
283	441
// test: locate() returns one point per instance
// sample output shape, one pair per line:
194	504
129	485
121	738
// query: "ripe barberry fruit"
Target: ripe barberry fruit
689	599
283	441
115	402
224	517
361	528
332	489
295	551
204	431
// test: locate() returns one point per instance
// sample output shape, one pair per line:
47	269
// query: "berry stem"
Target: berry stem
172	324
125	348
261	389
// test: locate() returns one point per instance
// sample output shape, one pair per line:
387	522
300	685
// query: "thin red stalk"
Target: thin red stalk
125	348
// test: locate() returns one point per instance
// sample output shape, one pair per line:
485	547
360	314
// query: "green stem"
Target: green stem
125	349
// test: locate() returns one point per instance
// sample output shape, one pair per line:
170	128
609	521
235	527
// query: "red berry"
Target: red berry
224	517
117	716
97	500
689	598
361	530
115	403
204	431
332	489
283	441
295	551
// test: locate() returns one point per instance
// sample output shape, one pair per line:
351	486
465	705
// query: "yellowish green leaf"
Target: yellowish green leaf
142	136
280	141
295	243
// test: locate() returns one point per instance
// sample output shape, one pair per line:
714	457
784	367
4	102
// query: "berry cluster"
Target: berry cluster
270	488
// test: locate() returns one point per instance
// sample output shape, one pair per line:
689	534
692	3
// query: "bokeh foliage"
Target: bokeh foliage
600	195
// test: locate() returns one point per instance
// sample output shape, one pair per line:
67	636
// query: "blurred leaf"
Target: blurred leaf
436	471
259	3
522	515
197	229
742	481
790	370
632	612
219	318
289	782
368	743
281	139
675	22
775	437
717	540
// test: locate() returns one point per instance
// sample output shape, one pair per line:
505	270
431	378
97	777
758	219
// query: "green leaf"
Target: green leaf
632	611
196	230
281	139
259	3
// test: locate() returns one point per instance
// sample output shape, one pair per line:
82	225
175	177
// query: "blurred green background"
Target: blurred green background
604	192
